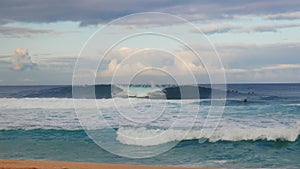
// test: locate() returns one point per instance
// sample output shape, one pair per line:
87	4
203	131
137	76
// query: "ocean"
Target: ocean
153	125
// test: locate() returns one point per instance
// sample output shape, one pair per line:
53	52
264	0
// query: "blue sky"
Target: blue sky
257	41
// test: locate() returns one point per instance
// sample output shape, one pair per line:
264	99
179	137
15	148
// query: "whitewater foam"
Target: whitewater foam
151	137
245	122
67	103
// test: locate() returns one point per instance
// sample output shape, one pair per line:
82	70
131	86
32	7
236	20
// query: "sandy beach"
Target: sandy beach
28	164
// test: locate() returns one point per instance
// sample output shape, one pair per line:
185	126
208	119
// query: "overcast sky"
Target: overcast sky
257	41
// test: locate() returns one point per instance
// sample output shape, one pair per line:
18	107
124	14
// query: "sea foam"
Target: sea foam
151	137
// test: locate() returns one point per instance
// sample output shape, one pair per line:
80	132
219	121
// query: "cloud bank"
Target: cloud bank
21	32
94	12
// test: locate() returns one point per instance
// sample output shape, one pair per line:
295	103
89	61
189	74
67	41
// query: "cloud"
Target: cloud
236	58
59	63
102	11
6	58
112	66
24	32
216	28
21	60
87	12
284	16
129	61
281	66
272	73
214	10
273	27
243	63
245	56
264	68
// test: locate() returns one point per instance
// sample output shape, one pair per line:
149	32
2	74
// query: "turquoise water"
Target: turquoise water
261	133
76	146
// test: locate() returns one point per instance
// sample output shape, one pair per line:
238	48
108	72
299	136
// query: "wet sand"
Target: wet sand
28	164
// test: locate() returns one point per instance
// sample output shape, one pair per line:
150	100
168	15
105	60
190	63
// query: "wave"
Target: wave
101	91
170	92
110	91
38	92
43	103
142	136
294	104
67	103
139	91
189	92
37	128
270	98
151	137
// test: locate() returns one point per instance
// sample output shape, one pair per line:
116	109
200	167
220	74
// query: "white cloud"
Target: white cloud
112	66
94	12
218	28
21	59
221	28
125	51
128	61
287	16
281	66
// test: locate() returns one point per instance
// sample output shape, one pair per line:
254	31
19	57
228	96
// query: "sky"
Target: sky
55	42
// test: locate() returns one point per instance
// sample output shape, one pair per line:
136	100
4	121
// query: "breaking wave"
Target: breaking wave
151	137
110	91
